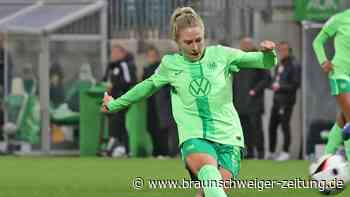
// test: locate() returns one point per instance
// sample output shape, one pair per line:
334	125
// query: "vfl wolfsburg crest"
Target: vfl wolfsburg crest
200	87
212	65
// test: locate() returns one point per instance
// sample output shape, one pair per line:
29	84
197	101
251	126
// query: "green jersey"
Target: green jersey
338	27
201	92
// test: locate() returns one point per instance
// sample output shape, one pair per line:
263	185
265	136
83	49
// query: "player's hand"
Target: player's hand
327	66
106	99
267	45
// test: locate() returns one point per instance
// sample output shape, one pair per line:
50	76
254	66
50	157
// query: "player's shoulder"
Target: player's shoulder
222	49
170	59
344	15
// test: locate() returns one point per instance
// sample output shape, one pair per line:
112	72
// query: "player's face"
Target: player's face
191	42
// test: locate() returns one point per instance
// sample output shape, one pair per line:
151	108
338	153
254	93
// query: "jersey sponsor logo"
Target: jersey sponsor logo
200	87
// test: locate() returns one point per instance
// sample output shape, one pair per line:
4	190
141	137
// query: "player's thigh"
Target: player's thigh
343	101
197	153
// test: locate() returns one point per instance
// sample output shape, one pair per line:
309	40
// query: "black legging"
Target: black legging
280	115
257	127
253	134
117	129
159	135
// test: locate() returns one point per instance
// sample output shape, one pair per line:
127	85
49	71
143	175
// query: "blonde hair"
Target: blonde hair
183	18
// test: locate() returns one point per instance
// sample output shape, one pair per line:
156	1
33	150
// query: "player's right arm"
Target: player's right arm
329	30
141	91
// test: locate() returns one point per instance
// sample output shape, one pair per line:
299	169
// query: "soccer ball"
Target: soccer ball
331	173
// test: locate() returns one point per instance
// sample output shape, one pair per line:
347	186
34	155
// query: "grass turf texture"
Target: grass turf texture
92	177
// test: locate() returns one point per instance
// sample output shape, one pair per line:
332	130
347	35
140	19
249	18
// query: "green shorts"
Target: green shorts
228	156
339	86
339	82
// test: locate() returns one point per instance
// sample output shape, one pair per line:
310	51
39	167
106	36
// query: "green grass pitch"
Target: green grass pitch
101	177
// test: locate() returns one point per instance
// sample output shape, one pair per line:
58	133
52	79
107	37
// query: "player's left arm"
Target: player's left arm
265	59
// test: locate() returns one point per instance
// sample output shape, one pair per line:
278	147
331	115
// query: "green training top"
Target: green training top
201	92
338	26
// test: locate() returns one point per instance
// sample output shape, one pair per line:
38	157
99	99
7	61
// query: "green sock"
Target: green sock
208	173
335	139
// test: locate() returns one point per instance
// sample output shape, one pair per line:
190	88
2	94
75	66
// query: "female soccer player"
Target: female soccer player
338	71
210	134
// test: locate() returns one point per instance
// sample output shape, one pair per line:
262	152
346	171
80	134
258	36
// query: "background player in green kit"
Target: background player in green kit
338	71
210	133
